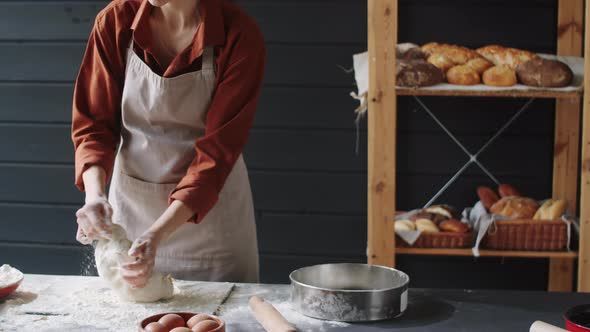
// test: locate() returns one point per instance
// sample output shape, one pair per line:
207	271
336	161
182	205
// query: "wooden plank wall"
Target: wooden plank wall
309	186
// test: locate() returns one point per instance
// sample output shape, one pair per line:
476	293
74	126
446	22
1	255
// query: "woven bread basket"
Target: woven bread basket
439	240
526	234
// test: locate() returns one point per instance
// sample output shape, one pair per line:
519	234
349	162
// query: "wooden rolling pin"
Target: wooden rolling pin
539	326
268	316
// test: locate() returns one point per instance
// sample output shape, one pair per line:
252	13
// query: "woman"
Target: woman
164	101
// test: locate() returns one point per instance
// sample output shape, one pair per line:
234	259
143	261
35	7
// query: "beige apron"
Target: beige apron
161	119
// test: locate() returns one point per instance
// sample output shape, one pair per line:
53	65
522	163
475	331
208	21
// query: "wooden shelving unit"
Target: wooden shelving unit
382	126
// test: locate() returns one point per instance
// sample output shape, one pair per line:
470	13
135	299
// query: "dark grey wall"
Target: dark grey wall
309	186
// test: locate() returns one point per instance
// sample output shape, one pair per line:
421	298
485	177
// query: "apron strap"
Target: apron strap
208	59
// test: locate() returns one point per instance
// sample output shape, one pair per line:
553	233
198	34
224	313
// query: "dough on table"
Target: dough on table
111	254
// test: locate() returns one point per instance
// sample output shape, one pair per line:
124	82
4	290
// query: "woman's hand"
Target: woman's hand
94	220
145	247
144	251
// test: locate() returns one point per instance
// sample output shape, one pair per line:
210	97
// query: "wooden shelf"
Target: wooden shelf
486	253
433	91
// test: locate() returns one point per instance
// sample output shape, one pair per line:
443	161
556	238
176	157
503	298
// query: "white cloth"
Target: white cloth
161	120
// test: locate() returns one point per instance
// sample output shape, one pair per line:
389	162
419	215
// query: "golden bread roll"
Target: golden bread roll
499	76
515	207
417	73
505	56
426	226
479	65
441	62
544	73
404	225
550	210
455	53
453	226
463	75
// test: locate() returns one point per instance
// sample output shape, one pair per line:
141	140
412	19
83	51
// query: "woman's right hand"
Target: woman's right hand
94	220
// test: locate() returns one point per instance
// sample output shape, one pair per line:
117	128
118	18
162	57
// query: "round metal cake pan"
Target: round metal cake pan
349	292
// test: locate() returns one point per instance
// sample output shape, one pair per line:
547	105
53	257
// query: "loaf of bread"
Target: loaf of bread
463	75
409	51
441	62
487	196
453	226
427	226
552	209
457	54
508	190
417	73
505	56
545	73
479	65
501	76
515	207
404	225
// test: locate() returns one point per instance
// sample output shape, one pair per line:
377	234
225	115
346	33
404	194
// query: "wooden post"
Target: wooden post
584	255
382	118
567	135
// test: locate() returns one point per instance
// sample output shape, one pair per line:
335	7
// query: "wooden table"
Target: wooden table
59	303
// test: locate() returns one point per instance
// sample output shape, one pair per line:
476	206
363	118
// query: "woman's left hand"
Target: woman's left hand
144	251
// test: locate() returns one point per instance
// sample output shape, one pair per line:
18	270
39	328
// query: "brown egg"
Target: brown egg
205	326
196	319
155	327
171	321
181	329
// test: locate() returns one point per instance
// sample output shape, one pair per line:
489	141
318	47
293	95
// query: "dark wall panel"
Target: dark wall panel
309	186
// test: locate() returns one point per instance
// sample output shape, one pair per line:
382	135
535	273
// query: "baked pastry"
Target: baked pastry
499	76
404	225
409	51
508	190
417	73
441	62
442	209
455	53
545	73
453	226
479	65
550	210
487	196
505	56
463	75
515	207
426	226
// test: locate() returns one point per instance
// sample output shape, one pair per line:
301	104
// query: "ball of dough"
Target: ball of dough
463	75
197	319
111	254
155	327
501	76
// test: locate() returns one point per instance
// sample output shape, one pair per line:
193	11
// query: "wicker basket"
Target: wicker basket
438	240
526	234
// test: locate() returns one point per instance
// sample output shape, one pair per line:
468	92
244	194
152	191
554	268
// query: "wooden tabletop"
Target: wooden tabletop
59	303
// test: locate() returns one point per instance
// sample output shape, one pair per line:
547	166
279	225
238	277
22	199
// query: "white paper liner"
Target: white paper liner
361	74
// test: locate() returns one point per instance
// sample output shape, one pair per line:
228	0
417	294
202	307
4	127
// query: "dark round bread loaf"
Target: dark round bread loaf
417	73
409	51
544	73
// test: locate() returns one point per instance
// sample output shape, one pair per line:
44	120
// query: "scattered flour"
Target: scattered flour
9	275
